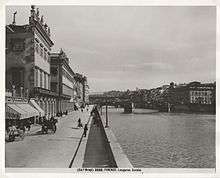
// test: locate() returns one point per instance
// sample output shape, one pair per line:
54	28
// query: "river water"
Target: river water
165	140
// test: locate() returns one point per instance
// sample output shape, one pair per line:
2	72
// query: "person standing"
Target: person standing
85	130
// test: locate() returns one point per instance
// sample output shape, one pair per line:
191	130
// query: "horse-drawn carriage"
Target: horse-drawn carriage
49	125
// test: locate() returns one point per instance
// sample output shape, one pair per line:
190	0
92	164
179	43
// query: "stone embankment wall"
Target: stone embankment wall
116	151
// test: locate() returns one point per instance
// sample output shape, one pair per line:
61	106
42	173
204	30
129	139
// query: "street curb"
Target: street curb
120	157
78	157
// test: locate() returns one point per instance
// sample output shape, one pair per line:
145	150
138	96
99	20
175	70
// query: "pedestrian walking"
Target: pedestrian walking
79	123
85	130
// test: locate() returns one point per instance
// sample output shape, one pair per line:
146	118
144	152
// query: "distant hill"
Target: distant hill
96	93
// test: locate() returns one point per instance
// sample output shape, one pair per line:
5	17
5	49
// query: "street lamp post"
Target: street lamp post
101	108
106	115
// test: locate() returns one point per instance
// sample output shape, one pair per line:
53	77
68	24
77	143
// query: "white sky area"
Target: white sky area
120	48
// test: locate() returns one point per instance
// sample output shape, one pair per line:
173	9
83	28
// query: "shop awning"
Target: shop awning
20	111
42	113
14	112
29	109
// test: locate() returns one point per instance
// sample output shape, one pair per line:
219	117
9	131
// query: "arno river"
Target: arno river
165	140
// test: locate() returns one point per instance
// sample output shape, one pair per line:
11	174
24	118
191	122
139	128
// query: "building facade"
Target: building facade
86	91
28	62
201	93
194	96
63	82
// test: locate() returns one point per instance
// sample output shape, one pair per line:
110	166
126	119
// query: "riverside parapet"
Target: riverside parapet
119	156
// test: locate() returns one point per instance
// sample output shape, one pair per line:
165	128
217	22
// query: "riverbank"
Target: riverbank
187	108
177	109
144	111
67	147
102	148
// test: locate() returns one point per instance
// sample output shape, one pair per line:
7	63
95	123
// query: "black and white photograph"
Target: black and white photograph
110	88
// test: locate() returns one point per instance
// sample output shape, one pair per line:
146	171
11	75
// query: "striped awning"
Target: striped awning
34	104
20	111
14	112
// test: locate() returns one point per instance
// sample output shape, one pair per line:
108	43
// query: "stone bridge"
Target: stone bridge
103	100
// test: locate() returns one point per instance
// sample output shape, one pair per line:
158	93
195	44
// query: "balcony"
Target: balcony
43	91
64	96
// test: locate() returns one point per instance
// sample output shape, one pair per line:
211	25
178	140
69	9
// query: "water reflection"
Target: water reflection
166	139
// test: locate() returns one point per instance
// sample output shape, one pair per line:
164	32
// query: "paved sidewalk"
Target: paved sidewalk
78	157
48	150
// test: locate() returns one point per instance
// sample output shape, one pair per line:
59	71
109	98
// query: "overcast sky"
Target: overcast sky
123	48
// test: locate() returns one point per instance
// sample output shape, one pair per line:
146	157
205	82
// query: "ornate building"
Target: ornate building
201	93
28	61
62	81
192	97
71	87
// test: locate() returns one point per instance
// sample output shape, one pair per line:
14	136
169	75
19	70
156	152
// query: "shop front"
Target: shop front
39	109
46	100
20	113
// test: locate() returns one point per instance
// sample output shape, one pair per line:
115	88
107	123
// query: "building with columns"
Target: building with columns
62	81
28	61
86	91
71	87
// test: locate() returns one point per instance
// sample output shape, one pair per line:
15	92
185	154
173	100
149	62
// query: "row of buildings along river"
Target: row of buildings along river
39	83
187	97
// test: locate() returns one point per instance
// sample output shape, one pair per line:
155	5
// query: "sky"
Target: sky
128	47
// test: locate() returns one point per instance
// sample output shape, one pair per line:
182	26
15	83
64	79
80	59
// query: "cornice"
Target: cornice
40	29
